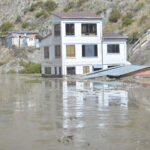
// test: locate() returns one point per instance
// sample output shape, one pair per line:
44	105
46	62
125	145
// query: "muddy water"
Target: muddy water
44	114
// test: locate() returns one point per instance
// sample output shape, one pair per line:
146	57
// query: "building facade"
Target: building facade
76	45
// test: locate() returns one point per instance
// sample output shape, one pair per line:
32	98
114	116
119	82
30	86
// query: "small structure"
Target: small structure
77	45
22	39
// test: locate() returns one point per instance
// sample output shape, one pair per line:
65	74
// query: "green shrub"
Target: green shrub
139	5
143	19
35	5
11	71
30	67
6	26
25	24
69	6
80	2
99	12
50	5
18	19
3	33
115	15
40	13
127	21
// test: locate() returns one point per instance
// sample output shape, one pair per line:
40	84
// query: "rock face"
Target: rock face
141	56
10	58
138	10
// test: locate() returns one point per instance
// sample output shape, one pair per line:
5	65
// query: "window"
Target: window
46	52
70	50
60	72
86	69
69	29
89	29
55	70
57	51
89	50
57	29
113	48
71	70
47	70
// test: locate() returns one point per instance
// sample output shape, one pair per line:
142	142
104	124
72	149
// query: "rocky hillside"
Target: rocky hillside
141	56
130	17
16	59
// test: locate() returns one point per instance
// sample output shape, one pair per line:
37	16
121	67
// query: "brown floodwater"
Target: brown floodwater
55	114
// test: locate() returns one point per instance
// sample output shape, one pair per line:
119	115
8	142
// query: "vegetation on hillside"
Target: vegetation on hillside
5	27
30	67
74	4
45	7
115	15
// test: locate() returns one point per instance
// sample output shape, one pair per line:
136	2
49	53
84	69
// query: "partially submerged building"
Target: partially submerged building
22	39
77	45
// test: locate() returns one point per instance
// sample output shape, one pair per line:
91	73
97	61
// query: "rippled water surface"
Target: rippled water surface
56	114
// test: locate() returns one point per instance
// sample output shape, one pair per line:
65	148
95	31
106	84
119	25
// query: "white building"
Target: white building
76	45
22	39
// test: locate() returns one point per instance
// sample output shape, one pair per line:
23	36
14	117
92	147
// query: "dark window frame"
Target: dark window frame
60	70
70	29
55	70
113	48
89	29
73	69
57	29
48	70
84	51
57	51
46	52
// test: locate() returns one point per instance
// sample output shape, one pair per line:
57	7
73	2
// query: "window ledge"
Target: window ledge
70	57
89	35
113	53
90	57
69	36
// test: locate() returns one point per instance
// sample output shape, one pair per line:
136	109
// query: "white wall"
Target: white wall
118	58
78	40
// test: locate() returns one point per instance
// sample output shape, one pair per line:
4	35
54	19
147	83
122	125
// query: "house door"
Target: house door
86	69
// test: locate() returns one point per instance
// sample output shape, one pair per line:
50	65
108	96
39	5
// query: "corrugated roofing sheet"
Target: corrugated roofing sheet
116	72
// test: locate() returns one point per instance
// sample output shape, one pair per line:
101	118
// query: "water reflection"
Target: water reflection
79	104
63	114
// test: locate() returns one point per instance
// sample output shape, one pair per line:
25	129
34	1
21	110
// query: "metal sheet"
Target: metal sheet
116	72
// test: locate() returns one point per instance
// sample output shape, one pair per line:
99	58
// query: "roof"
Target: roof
25	32
76	15
113	36
116	71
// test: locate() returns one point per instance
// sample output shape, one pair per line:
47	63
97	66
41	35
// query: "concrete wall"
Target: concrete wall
118	58
78	40
51	41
